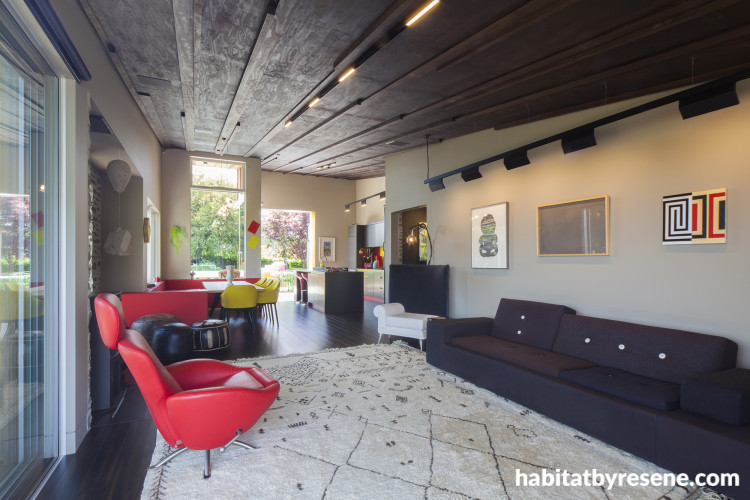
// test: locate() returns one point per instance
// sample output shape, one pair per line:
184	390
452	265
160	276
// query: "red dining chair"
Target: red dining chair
198	404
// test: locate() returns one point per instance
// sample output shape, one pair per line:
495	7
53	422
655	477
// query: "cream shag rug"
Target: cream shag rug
379	422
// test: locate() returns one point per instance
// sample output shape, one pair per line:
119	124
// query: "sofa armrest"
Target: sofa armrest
441	331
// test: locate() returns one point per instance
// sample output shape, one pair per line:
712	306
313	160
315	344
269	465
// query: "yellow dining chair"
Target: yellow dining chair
240	298
267	300
262	282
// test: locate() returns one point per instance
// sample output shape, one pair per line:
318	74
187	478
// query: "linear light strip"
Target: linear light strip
372	50
422	13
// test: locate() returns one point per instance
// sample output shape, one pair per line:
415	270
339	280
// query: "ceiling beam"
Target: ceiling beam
272	30
342	62
506	24
147	108
184	22
558	61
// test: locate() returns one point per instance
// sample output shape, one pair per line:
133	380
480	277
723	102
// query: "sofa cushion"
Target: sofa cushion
723	395
637	389
660	353
530	323
532	358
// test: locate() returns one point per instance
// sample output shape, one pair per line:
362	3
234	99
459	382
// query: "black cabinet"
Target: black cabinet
356	241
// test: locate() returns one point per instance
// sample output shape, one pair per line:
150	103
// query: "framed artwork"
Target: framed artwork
327	247
697	218
578	227
489	237
422	249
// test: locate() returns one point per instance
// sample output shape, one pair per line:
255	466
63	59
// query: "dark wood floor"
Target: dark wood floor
111	462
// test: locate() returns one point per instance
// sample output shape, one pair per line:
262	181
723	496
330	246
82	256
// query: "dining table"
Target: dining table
217	287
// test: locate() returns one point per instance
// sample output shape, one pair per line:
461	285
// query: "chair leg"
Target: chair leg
169	457
420	345
207	468
275	312
380	337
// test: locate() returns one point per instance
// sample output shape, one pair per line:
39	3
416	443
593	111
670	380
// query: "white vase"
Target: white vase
230	274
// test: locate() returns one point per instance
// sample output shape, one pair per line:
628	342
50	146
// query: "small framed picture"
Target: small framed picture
489	237
327	248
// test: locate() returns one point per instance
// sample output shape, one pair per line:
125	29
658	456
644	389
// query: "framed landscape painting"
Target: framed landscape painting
489	237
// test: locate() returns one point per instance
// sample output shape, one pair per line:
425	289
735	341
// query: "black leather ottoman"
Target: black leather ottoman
172	342
210	335
146	325
723	395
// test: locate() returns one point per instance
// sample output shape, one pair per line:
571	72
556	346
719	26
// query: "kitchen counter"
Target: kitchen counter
335	291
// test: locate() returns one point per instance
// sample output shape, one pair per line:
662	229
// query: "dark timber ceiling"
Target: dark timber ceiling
468	65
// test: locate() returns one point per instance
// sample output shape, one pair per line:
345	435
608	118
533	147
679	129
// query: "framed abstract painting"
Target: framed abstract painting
489	237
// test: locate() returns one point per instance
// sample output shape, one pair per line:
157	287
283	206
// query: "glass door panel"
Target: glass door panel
28	262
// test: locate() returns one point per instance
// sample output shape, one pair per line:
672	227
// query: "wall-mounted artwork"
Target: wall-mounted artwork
697	218
489	237
573	228
327	248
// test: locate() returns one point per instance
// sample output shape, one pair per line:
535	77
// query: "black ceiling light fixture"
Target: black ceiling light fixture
711	96
719	97
577	140
516	160
437	185
471	174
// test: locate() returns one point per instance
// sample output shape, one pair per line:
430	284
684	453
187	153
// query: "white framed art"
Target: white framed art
489	236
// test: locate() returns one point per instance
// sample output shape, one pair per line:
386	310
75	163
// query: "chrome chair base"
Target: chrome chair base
207	467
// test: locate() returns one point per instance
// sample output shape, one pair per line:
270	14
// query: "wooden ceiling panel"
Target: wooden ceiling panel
466	66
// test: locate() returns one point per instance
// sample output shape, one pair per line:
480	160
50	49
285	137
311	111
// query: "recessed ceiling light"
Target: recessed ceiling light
288	122
422	12
314	102
346	75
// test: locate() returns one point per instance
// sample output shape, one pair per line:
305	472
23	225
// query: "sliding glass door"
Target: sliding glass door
29	212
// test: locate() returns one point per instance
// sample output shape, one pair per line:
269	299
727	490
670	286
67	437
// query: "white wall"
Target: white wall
375	209
636	162
140	144
176	171
326	198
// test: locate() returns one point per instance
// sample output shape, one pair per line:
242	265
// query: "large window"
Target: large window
217	216
285	241
29	212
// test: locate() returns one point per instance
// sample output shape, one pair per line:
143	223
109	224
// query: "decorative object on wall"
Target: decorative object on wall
253	241
146	230
327	248
489	237
422	232
696	218
578	227
422	249
253	227
118	241
177	237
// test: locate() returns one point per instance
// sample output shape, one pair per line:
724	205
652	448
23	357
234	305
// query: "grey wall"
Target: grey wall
637	161
123	273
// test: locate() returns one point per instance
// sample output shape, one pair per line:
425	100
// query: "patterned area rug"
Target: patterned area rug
379	422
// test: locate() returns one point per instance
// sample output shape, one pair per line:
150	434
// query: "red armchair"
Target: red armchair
184	397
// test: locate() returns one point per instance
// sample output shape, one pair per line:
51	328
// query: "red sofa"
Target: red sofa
185	298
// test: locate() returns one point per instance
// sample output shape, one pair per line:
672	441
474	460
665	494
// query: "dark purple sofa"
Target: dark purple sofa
671	397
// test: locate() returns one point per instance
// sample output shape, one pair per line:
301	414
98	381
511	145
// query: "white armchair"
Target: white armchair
394	320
